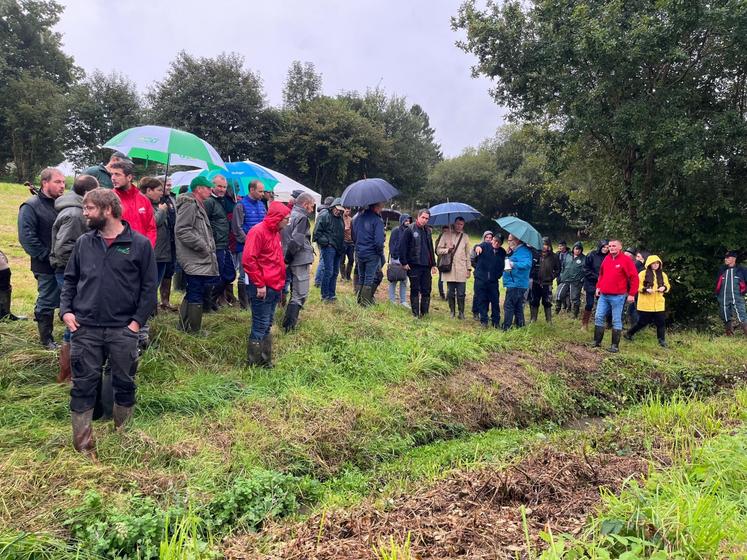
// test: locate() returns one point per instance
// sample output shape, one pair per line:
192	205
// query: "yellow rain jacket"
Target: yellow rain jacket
654	301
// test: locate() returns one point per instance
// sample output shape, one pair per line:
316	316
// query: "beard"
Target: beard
96	223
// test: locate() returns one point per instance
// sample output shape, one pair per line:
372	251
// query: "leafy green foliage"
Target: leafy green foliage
302	84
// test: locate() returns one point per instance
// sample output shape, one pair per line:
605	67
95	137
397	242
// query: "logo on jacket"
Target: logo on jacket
123	250
141	210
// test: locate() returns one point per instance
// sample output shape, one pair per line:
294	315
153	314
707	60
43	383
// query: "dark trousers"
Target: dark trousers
590	291
513	308
420	288
90	348
196	287
263	311
347	260
367	269
331	259
645	318
540	293
226	269
48	298
456	288
486	293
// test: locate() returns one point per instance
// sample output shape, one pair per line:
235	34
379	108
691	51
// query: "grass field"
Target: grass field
365	413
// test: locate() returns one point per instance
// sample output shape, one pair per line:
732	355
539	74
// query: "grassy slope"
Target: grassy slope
364	401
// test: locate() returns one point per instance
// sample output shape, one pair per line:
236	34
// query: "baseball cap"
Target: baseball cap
200	181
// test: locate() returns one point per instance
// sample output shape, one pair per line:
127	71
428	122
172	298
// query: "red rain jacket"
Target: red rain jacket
618	276
137	211
263	255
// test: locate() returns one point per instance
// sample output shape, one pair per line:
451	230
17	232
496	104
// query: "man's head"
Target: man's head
167	186
84	183
376	208
52	182
337	208
100	207
496	242
615	247
423	216
730	259
152	188
201	188
305	201
256	189
546	245
117	157
578	248
459	225
269	196
513	242
122	173
562	247
328	201
220	185
630	252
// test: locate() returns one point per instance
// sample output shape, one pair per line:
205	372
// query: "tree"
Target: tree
34	75
302	84
322	143
215	98
97	109
655	95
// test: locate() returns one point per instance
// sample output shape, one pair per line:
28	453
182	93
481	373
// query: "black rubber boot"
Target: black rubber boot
45	323
557	307
533	313
194	317
253	353
615	346
548	314
265	347
243	299
460	307
452	306
598	336
183	318
291	316
425	304
576	309
365	296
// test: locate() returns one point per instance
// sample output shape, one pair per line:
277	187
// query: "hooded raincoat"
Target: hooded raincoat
263	254
652	302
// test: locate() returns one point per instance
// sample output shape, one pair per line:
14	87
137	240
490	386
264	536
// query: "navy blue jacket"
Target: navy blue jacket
489	263
110	286
368	235
416	246
36	217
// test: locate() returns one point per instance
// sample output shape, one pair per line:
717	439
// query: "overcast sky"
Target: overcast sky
405	46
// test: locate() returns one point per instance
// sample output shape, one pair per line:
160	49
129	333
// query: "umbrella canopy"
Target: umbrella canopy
445	214
166	145
181	178
368	191
286	186
521	230
241	173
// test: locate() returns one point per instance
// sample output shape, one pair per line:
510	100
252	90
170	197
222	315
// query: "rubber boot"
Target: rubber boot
452	306
45	323
557	307
253	353
663	342
585	319
576	308
615	346
425	304
83	441
243	300
598	336
365	297
548	314
228	294
265	346
194	317
533	313
5	305
208	303
291	317
165	289
183	318
66	373
179	281
414	305
460	307
121	416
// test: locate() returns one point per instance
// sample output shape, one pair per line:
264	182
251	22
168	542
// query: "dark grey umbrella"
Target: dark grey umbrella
368	191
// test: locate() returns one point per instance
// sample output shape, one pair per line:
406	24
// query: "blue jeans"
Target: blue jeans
48	298
196	286
226	269
331	259
513	307
402	292
319	270
367	269
607	304
263	311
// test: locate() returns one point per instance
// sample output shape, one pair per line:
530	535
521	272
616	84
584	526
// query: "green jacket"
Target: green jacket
330	231
195	246
218	221
101	174
573	271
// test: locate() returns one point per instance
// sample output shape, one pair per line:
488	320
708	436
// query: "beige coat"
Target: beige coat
460	267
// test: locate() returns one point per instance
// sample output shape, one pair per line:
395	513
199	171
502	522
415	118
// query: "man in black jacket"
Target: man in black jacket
107	296
35	220
417	257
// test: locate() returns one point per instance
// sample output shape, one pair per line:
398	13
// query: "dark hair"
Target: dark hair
103	199
149	183
648	280
458	219
423	211
84	183
125	166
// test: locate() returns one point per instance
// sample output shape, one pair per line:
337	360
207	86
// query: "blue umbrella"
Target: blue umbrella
445	214
521	230
368	191
241	173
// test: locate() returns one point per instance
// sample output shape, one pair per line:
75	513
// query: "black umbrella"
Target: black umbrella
368	191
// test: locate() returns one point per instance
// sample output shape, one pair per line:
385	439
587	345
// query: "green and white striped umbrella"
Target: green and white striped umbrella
166	145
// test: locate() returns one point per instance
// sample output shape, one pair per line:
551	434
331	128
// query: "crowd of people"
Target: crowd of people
104	251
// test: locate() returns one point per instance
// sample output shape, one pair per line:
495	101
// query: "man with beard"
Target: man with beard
108	294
